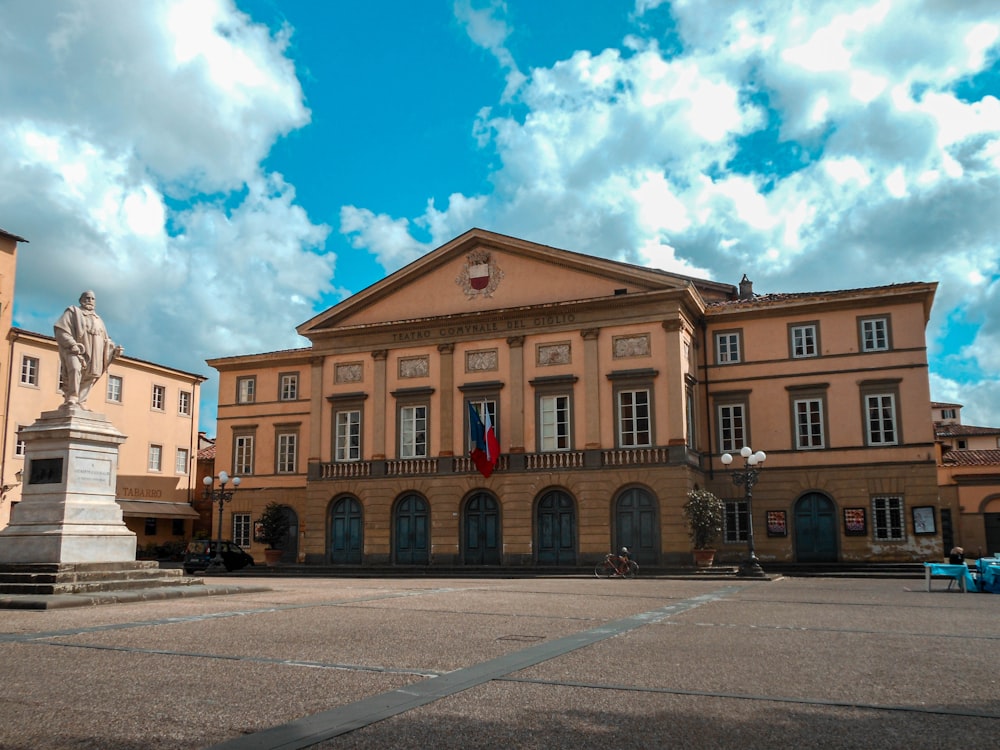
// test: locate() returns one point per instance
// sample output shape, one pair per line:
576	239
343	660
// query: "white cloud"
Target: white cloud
638	153
114	113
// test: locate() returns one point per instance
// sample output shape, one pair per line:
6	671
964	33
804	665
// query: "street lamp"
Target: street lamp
220	496
749	568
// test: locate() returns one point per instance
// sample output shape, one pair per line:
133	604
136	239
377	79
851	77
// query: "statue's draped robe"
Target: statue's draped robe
84	327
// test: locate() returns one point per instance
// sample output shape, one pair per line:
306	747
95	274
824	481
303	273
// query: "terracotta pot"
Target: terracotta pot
273	556
703	558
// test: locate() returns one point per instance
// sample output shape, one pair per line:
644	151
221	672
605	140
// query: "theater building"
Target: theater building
613	390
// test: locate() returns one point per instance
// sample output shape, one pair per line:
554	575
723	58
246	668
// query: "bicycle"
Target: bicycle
614	566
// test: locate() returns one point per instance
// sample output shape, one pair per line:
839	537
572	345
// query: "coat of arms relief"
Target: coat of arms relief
480	274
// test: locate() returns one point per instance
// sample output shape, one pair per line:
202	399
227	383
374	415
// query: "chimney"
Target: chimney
746	288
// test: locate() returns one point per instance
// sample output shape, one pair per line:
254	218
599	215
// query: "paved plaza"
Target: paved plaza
535	662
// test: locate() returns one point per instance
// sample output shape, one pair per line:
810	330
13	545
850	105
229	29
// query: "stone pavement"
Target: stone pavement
559	662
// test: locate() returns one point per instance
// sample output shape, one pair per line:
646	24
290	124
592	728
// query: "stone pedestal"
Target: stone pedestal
68	512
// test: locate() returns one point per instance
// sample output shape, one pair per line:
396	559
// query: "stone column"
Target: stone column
514	424
447	403
378	406
591	388
68	512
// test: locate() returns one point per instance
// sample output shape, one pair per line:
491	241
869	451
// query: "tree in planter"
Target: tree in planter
273	524
704	513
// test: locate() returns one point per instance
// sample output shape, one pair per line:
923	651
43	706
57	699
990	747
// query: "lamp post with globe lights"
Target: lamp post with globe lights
749	568
220	496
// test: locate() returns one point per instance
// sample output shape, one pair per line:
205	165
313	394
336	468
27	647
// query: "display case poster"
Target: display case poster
777	523
854	522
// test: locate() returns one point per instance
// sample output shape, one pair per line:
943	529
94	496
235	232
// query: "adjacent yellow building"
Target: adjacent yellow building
614	389
155	406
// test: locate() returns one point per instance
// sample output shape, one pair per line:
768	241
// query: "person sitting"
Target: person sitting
956	556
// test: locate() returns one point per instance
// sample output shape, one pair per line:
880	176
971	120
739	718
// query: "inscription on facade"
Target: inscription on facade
138	492
349	372
631	346
480	329
95	472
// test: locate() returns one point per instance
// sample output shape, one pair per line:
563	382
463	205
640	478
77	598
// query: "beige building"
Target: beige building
969	477
155	406
614	389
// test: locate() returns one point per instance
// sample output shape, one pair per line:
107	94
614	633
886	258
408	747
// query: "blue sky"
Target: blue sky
221	171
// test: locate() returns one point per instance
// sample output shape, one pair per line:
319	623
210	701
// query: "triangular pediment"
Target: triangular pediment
481	271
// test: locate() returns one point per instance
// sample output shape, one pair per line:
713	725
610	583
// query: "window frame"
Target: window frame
282	461
30	371
184	400
242	528
793	330
886	321
884	527
246	389
881	389
739	401
244	448
735	521
154	458
636	431
734	338
181	465
288	386
114	395
413	421
158	398
798	395
492	405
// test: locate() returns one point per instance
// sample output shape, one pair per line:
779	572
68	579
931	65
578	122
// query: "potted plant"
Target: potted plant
273	526
704	514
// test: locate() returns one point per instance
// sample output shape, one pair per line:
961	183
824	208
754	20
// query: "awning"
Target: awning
156	509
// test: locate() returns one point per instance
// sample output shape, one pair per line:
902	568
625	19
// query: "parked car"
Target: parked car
200	552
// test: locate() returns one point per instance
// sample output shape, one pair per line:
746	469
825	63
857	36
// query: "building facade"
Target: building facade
969	478
613	389
155	406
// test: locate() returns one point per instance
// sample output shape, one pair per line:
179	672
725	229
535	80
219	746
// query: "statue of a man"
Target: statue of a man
85	351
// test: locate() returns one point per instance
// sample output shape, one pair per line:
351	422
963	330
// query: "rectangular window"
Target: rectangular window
114	389
413	432
732	427
948	413
155	462
691	420
181	461
874	334
19	445
287	444
288	387
887	518
348	439
29	371
808	423
553	412
241	529
727	348
880	414
150	529
177	527
184	403
482	407
243	455
633	419
736	521
803	340
246	390
159	397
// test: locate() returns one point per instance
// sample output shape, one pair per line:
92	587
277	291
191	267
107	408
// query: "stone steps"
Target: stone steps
83	578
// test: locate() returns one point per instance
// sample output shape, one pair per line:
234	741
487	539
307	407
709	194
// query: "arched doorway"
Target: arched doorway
815	529
289	544
636	526
555	529
481	530
411	524
346	529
